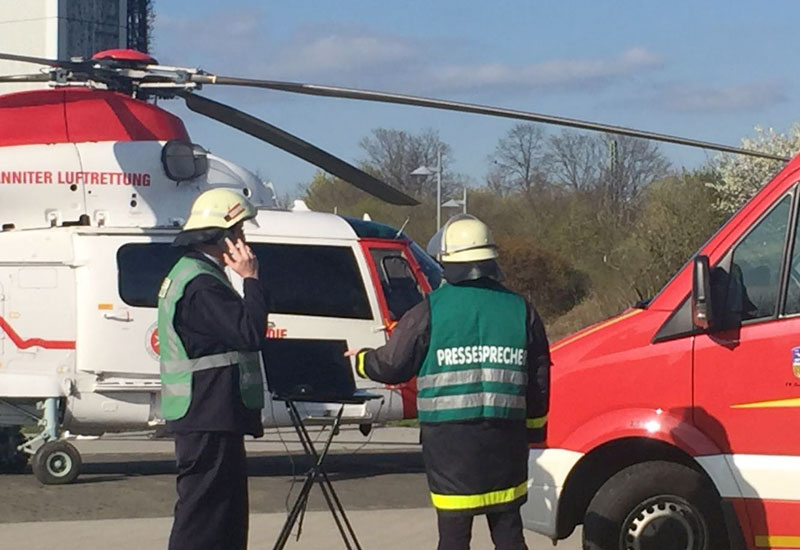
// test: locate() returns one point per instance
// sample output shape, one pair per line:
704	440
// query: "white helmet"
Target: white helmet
222	208
463	239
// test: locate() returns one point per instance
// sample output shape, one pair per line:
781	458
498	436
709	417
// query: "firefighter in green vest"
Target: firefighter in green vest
480	355
212	388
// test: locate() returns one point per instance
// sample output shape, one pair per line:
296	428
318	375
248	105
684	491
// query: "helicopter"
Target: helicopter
96	181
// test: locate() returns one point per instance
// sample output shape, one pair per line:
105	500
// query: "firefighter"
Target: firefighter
211	376
481	357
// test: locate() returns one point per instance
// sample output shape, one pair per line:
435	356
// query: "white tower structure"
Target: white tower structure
58	29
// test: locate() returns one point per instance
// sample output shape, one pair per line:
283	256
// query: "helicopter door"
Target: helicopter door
401	285
117	297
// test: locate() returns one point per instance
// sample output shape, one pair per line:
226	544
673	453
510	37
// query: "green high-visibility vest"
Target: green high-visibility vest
476	365
176	367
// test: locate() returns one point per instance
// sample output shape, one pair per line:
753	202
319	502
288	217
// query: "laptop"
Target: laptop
309	370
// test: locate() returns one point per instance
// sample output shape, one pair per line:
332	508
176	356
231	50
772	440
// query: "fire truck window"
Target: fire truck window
397	281
141	268
793	285
754	280
312	280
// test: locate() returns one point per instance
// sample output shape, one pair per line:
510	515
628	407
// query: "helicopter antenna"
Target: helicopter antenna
402	227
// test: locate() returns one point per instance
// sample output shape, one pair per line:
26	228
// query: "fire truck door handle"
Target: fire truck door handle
122	315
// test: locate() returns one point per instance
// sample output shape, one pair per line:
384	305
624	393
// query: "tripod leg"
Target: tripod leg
297	509
333	500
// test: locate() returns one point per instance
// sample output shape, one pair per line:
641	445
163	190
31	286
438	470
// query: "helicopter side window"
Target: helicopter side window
141	268
314	280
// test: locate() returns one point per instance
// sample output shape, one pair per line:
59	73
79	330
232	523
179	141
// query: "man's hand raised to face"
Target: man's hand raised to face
241	259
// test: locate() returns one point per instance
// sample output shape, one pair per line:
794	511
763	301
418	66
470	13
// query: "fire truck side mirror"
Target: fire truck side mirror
702	310
183	161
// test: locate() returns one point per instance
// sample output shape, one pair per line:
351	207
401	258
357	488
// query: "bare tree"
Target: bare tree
517	163
613	169
576	160
393	154
632	165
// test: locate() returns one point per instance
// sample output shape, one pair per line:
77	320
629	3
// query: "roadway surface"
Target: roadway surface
126	491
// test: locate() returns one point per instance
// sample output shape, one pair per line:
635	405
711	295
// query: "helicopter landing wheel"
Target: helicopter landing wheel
56	463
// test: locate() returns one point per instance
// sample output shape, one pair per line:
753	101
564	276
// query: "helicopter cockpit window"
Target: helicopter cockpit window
183	161
399	285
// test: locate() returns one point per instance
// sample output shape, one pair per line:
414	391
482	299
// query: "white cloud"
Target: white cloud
237	43
743	97
337	52
557	74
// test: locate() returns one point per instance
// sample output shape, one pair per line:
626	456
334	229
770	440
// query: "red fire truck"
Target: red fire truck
675	424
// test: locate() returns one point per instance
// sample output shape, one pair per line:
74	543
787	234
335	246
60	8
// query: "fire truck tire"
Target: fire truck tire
655	505
56	463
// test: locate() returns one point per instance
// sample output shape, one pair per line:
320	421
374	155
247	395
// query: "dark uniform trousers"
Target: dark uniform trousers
212	510
505	527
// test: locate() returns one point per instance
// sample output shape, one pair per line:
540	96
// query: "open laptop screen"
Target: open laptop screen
312	370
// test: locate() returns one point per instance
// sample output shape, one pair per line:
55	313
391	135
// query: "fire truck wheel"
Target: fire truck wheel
56	463
653	506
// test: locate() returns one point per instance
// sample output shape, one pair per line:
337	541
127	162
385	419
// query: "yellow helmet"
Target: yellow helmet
222	208
463	238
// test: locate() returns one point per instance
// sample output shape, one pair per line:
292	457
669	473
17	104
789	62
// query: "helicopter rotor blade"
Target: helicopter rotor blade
297	147
64	64
36	77
418	101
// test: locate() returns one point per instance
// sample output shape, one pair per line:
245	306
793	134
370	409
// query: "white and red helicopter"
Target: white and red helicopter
96	180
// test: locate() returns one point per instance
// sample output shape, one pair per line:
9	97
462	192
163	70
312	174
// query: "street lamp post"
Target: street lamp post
425	171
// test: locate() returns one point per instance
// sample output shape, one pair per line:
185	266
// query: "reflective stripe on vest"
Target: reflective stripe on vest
471	400
470	502
471	376
177	367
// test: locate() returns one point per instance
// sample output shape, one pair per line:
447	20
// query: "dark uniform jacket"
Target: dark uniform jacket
469	457
212	318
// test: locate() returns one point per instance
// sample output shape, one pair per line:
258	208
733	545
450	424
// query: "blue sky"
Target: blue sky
708	70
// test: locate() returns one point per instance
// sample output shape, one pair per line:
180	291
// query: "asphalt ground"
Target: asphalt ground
126	492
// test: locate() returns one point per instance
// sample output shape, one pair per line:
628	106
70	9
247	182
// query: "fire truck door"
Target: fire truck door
747	377
116	314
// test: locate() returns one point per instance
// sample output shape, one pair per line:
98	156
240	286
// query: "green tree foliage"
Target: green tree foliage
549	282
677	217
329	194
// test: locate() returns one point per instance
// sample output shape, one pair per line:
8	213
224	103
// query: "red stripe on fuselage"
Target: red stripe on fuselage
31	342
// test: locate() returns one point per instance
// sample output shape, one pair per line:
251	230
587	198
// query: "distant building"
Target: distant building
61	29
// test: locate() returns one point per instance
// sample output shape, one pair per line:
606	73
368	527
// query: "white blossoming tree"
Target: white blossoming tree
742	176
